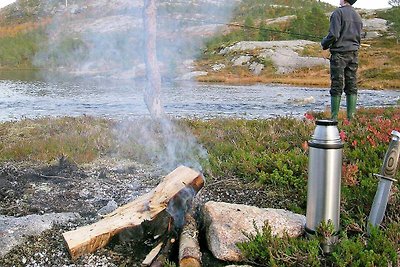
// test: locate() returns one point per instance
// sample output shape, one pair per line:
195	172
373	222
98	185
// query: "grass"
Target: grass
81	139
271	153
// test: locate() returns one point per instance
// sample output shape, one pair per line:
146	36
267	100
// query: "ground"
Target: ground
32	188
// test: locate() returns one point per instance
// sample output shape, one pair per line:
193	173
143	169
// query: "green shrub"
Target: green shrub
377	250
19	50
265	249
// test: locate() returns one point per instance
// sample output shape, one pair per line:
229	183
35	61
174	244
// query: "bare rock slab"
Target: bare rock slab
226	224
13	230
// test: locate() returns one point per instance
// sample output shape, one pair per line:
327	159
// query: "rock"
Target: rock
110	207
375	24
280	19
13	230
225	224
241	60
256	68
286	60
371	35
218	67
191	75
301	101
256	45
283	54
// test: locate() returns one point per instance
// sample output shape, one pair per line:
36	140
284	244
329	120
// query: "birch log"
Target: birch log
89	238
152	95
189	248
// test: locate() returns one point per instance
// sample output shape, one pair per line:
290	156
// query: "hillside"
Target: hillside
102	38
257	48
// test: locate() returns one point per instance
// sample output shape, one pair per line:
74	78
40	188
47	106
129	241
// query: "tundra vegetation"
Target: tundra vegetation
270	154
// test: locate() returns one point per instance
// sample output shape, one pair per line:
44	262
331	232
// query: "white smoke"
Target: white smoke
104	40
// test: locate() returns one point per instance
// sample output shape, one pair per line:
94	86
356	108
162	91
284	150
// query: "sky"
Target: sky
5	2
370	4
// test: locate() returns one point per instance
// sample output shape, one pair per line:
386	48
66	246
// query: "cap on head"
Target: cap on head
351	2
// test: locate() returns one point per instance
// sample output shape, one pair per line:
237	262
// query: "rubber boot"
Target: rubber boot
351	103
335	105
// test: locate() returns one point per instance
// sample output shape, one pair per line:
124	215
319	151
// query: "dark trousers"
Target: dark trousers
344	67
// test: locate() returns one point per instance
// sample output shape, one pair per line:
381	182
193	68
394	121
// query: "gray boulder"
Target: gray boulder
226	224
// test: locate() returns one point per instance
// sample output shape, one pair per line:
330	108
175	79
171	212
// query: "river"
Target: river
32	99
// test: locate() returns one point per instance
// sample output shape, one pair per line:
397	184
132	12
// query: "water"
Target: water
32	99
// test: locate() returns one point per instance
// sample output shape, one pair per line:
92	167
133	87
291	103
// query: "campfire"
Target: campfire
170	194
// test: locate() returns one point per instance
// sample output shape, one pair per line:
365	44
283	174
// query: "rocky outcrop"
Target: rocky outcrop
226	224
374	28
283	54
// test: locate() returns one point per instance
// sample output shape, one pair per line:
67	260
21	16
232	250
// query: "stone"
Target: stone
372	35
301	101
375	24
226	224
191	75
218	67
241	60
110	207
256	68
283	54
13	230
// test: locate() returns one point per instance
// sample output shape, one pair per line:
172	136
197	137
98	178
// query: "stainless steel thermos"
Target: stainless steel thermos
324	175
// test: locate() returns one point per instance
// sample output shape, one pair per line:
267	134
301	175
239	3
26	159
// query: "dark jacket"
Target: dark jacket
344	31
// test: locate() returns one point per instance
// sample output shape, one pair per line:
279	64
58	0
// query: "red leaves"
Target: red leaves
349	174
309	117
342	135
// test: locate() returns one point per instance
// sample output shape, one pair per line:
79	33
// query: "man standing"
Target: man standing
343	41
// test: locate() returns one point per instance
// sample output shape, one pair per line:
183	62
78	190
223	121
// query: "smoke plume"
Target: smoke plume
103	40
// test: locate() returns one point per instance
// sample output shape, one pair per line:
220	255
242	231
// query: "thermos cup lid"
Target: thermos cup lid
326	122
396	134
326	135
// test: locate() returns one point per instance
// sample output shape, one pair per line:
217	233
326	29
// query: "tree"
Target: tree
394	3
263	32
311	24
248	28
393	16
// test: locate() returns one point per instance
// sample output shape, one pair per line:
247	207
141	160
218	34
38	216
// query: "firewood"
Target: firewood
163	256
189	248
159	254
152	255
89	238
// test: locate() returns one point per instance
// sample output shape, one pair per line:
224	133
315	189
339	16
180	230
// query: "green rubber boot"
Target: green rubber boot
351	103
335	105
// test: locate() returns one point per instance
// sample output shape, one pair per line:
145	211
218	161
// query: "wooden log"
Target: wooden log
89	238
152	255
163	256
189	248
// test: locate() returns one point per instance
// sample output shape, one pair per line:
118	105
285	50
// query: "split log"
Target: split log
152	255
158	255
163	256
189	248
89	238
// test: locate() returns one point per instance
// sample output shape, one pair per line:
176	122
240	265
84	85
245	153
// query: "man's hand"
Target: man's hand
326	54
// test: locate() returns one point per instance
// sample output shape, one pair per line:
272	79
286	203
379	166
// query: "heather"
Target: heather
268	156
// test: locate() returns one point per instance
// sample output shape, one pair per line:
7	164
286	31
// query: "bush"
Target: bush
265	249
